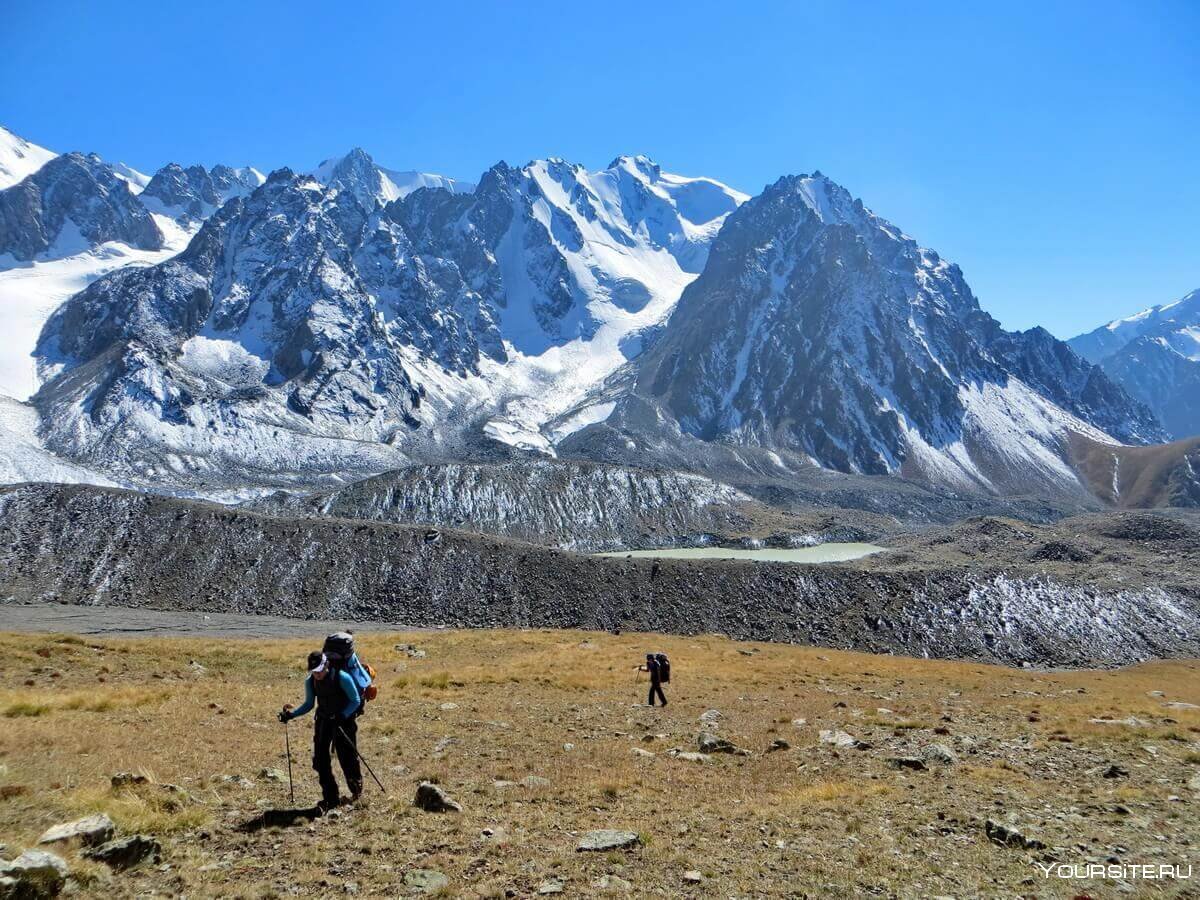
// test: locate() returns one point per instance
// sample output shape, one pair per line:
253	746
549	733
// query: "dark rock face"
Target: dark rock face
73	193
94	546
820	329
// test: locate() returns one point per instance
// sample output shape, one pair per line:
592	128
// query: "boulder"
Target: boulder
89	831
608	839
34	874
710	743
939	753
127	852
431	798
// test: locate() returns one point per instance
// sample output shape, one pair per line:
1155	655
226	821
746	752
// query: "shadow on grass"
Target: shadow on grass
280	818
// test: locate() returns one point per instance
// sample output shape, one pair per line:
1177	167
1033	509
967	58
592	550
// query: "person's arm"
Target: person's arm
310	697
350	689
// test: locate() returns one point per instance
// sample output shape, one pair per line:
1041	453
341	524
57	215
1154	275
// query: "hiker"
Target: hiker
655	668
338	701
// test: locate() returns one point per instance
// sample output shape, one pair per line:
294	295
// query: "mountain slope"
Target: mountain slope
1155	356
71	203
820	331
19	158
300	316
196	192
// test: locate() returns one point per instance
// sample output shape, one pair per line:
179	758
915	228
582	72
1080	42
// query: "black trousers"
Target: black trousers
656	688
340	735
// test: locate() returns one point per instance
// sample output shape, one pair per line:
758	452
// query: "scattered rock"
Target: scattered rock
691	876
710	719
127	779
608	839
908	762
89	831
447	706
939	753
350	887
688	756
127	852
1130	722
1115	771
710	743
1007	836
568	747
535	781
640	753
799	723
550	887
842	740
271	775
427	881
34	874
431	798
1179	704
778	744
411	651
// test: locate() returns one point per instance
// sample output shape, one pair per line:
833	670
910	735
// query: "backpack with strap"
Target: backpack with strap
339	650
664	667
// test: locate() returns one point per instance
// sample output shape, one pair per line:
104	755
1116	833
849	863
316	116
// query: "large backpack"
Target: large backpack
664	667
339	650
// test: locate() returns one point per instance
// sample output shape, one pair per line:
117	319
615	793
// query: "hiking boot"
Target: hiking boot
325	806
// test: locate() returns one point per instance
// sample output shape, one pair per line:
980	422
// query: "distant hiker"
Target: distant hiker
659	673
338	701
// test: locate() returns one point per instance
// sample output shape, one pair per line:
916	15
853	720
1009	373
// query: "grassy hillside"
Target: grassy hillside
499	706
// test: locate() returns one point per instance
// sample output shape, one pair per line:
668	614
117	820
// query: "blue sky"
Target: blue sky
1052	149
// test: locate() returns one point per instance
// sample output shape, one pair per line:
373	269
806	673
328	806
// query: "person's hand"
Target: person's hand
286	713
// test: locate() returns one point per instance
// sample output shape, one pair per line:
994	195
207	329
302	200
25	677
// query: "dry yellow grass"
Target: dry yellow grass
805	821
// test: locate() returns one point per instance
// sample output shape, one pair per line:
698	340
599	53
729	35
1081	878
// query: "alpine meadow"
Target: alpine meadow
416	520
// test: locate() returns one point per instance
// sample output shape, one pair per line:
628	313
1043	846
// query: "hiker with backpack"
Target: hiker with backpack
659	668
339	685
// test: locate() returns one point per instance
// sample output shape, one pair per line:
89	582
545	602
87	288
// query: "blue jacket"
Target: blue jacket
345	682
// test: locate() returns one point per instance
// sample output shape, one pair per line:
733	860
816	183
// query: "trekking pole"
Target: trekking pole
287	742
362	759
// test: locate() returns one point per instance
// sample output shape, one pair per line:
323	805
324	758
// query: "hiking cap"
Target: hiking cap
316	663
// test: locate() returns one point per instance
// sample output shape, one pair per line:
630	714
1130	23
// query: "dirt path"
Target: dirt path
111	621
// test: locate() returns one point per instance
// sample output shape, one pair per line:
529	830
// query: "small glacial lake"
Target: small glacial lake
822	553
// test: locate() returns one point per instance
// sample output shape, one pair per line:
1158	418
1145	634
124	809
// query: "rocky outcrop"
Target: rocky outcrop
71	203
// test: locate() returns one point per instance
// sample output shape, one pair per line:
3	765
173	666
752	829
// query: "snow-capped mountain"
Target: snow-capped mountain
306	334
372	184
71	203
196	192
19	158
821	332
1155	356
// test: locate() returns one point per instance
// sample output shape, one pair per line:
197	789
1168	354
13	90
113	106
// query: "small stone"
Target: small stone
431	798
907	762
710	718
350	887
568	747
550	887
608	839
271	775
640	753
127	852
89	831
427	881
1115	771
447	706
691	876
842	740
688	756
536	782
778	744
799	723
